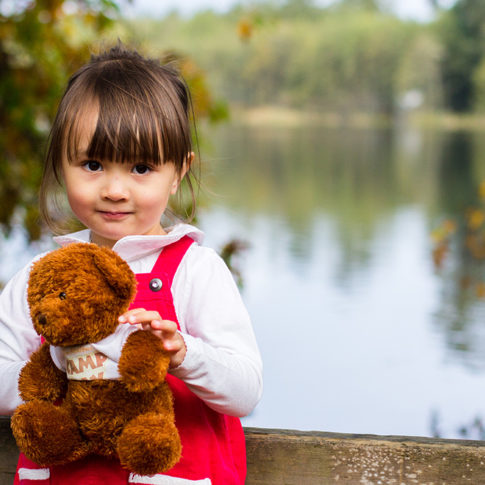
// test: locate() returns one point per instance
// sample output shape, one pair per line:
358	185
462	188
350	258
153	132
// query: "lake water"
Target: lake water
359	332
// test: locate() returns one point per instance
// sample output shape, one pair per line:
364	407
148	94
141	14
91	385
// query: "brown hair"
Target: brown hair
144	110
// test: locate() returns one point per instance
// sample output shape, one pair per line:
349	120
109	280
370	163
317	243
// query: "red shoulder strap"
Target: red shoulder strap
170	257
154	288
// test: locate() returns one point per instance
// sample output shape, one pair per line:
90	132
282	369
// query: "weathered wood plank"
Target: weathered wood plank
294	457
8	453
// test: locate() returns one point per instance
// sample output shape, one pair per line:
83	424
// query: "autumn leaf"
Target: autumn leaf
245	29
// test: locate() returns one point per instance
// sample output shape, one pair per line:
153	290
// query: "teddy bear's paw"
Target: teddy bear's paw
143	363
149	444
46	433
41	379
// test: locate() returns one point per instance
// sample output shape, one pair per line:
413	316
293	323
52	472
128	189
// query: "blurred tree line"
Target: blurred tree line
353	55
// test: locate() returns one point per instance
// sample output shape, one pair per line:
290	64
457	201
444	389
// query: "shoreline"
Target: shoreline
290	117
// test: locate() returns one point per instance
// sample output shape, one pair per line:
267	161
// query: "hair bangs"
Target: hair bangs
137	121
79	126
140	117
124	136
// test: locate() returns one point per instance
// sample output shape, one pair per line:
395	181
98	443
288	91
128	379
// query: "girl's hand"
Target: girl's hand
165	330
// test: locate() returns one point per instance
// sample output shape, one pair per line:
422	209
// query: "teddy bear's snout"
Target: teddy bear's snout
42	319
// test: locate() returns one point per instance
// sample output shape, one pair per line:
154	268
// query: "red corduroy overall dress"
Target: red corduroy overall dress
213	445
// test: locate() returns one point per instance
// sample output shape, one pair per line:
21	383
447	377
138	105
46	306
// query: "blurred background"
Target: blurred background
343	167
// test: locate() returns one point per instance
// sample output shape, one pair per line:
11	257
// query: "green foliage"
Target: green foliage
40	44
419	69
351	65
349	57
479	87
358	5
462	33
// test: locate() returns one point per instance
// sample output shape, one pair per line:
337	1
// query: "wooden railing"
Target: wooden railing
304	458
8	453
316	458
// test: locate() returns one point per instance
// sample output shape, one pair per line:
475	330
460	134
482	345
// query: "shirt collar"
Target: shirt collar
131	248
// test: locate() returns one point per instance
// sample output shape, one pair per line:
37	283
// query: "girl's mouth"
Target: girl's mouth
114	215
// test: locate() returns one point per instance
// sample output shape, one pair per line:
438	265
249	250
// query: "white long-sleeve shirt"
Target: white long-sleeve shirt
222	365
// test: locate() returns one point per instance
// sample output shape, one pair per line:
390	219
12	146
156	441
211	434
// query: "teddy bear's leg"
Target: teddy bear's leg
149	444
47	434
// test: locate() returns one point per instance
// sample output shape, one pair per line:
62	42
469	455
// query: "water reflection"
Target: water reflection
341	273
357	177
461	312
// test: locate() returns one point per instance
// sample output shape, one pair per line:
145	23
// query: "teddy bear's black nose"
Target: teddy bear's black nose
42	319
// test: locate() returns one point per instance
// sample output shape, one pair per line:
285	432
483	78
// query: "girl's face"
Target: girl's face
117	199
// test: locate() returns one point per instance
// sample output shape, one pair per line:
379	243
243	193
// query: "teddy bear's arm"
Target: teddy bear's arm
144	362
41	379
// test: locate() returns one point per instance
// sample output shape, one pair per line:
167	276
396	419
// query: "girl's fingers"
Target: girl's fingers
165	330
166	326
139	315
124	318
156	325
134	311
161	328
148	320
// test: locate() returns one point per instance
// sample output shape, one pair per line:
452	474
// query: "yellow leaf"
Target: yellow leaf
444	231
439	254
480	289
245	29
476	217
481	189
449	226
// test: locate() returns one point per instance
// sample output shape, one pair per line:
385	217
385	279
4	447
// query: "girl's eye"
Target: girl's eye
141	169
92	165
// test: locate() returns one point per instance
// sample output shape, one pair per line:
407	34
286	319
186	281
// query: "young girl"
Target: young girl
119	147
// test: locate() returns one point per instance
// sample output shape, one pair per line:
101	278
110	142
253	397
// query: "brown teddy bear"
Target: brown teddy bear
93	386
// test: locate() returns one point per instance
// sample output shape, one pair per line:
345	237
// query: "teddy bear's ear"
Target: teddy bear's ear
116	272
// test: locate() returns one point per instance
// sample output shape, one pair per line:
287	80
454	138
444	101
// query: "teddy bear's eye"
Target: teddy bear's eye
62	295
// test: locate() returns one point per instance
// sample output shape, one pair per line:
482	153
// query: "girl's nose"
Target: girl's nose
114	188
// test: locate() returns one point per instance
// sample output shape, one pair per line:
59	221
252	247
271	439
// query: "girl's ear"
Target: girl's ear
183	171
190	159
187	165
